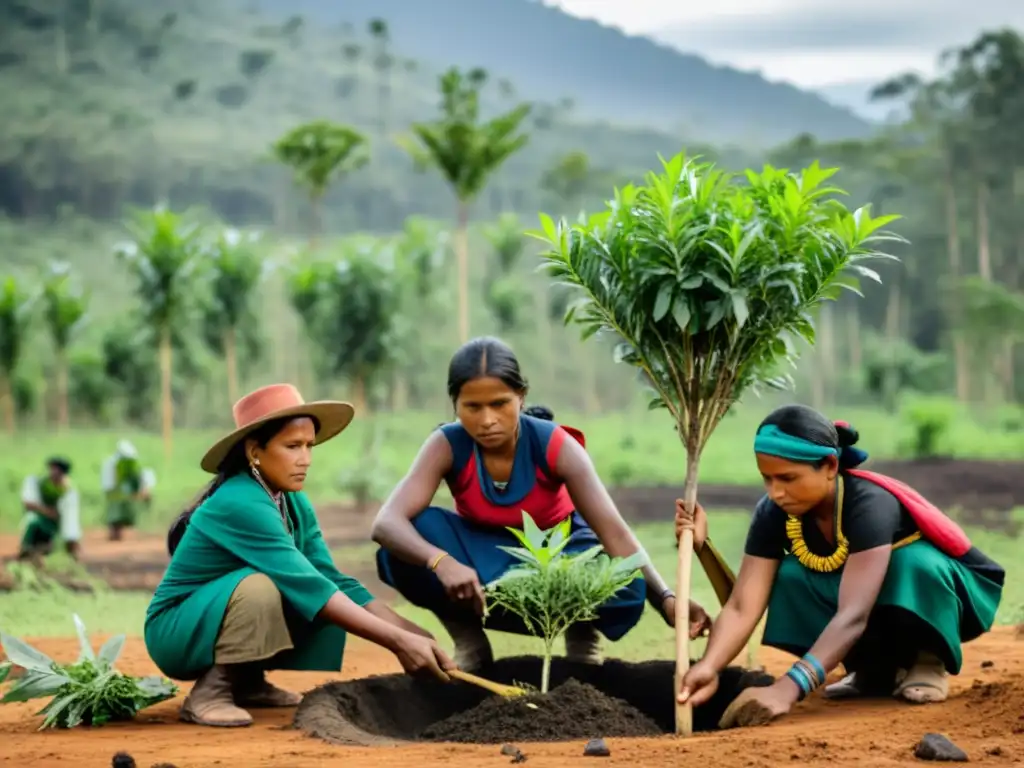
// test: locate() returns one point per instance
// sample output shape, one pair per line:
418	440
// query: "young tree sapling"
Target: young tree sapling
706	282
551	590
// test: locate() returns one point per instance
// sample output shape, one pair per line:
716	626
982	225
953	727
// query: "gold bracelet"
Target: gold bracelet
437	561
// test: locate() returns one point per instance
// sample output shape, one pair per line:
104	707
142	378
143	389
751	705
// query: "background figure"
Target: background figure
51	507
127	486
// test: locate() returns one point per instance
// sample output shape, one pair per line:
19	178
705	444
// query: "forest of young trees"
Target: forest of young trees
180	227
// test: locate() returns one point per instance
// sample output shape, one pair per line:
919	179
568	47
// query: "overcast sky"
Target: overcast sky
811	43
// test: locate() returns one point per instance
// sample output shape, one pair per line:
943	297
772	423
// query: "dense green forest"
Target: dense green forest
315	135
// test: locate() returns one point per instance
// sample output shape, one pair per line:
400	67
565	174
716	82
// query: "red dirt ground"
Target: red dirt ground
984	716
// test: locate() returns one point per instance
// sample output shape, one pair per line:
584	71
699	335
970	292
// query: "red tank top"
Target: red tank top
533	485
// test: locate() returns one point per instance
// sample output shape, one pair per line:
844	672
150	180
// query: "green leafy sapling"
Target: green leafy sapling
88	692
551	590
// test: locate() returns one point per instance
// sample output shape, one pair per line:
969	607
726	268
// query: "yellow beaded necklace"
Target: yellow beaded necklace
833	562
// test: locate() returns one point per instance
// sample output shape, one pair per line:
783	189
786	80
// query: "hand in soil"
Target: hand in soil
418	655
699	684
461	583
698	521
759	706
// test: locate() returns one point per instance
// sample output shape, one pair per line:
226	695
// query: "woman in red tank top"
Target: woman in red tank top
497	462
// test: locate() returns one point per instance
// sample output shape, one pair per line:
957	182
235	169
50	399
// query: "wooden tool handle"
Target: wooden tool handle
487	685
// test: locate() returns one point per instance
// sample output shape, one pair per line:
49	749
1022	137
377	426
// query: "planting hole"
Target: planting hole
615	699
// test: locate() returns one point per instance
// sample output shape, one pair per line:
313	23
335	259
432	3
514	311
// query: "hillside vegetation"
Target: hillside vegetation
609	74
119	102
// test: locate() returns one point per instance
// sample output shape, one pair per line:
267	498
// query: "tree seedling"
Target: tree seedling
551	590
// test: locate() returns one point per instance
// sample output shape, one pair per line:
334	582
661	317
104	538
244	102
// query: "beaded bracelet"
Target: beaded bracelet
808	674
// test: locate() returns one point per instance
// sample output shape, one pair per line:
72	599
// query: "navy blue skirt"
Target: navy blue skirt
477	547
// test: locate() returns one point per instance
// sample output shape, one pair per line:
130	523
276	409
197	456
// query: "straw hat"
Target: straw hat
277	401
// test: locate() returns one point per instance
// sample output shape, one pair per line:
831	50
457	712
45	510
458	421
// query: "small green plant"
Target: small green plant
88	692
930	419
550	590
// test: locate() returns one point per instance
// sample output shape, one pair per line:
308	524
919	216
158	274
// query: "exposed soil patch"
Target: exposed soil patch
983	719
979	492
615	699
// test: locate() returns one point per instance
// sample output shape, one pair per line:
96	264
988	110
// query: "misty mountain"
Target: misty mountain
550	55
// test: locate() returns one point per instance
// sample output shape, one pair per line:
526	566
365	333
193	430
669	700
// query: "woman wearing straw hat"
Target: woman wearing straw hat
251	585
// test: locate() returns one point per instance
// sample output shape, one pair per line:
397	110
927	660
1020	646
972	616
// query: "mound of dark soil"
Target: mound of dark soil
573	710
616	698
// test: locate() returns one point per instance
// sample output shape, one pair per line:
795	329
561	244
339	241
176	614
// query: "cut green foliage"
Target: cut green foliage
550	590
88	692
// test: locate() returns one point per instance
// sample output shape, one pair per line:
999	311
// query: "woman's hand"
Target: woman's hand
698	521
759	706
699	684
418	654
700	622
461	583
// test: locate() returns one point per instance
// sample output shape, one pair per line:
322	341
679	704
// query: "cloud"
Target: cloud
883	25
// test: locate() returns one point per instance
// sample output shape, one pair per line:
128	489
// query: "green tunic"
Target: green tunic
235	533
122	506
37	530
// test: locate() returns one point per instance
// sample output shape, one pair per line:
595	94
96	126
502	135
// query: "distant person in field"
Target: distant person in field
251	585
128	487
51	508
498	461
853	567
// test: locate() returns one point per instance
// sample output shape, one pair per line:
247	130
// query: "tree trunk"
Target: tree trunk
63	414
684	712
231	363
166	401
359	401
890	385
984	243
462	266
961	362
853	338
7	397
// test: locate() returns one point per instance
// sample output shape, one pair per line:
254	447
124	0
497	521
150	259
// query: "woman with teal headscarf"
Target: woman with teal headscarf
853	567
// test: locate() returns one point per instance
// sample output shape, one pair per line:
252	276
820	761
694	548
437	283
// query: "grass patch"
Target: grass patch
628	448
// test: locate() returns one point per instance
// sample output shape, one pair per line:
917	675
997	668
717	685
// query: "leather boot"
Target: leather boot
583	644
252	690
211	702
472	648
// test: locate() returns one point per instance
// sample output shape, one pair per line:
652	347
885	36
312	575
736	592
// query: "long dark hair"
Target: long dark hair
807	424
484	356
235	463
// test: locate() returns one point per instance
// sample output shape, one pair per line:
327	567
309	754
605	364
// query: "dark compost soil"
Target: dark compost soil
614	699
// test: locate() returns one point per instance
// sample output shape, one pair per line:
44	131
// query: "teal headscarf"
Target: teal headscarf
773	441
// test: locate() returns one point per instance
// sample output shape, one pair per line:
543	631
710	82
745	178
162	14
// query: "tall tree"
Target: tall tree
466	150
64	309
348	306
318	153
16	308
237	269
164	258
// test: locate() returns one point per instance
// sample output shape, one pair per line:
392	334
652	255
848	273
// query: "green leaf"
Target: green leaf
86	651
663	302
681	314
739	308
110	650
24	655
5	670
534	535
